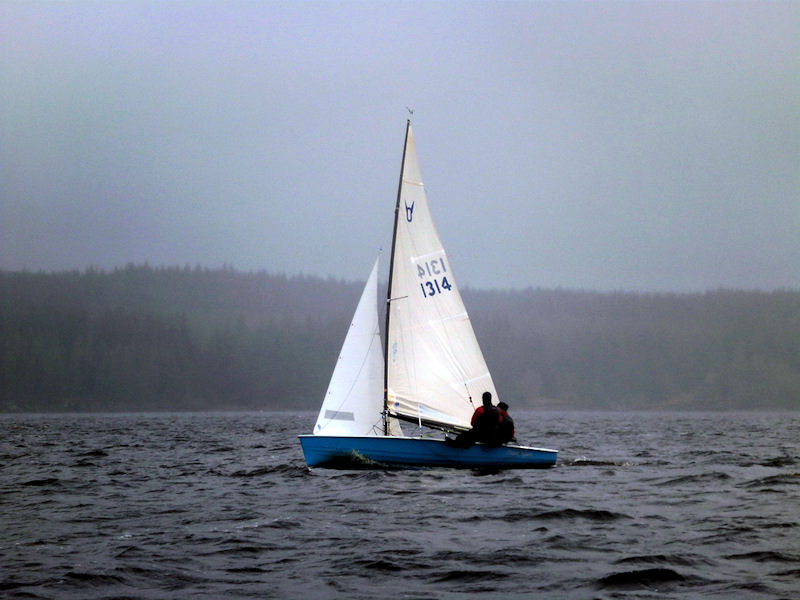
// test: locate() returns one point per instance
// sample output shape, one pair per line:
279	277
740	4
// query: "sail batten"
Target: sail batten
416	259
478	378
459	316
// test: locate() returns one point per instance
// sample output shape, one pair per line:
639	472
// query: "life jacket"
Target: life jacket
485	422
478	412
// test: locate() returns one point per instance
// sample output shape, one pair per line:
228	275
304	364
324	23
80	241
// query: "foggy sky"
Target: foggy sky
638	146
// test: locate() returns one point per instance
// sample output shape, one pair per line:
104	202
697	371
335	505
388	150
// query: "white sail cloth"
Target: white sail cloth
436	371
353	403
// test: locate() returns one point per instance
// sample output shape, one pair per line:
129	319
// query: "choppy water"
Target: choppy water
222	506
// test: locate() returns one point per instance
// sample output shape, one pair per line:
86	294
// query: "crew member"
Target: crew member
505	430
485	422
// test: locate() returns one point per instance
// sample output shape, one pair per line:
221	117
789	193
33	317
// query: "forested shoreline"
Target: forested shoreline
144	338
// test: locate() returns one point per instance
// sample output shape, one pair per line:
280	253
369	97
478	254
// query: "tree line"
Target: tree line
145	338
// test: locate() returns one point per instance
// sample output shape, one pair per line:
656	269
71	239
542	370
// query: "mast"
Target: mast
389	292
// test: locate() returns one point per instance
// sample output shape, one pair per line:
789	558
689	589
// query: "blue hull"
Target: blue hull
360	452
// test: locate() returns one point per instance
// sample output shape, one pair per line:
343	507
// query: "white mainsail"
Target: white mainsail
435	369
353	404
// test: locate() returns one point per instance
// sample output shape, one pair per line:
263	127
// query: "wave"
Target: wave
11	585
237	550
93	578
283	524
167	578
713	476
779	461
566	514
641	578
469	576
286	469
666	559
590	462
42	482
791	573
380	565
386	561
357	461
772	481
245	570
95	453
766	556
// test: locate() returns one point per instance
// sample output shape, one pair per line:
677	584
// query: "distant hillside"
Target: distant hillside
142	338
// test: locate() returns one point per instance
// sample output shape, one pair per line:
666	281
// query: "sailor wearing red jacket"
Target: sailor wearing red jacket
486	416
485	421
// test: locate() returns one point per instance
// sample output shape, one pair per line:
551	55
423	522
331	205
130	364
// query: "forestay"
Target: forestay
435	369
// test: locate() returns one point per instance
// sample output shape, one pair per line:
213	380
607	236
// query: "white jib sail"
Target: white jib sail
354	401
436	370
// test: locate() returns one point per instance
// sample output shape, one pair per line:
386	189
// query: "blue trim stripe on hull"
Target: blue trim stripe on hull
344	451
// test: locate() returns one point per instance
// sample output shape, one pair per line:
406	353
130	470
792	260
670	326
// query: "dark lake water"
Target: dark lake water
640	505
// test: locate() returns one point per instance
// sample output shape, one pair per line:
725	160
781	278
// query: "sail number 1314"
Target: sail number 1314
436	273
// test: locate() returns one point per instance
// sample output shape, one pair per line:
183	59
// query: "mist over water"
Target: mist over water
213	505
647	146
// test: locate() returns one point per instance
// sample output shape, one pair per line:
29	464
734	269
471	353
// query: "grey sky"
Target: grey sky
644	146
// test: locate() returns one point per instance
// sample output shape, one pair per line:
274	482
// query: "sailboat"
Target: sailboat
430	370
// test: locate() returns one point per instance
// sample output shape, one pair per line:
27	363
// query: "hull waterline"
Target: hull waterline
395	451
